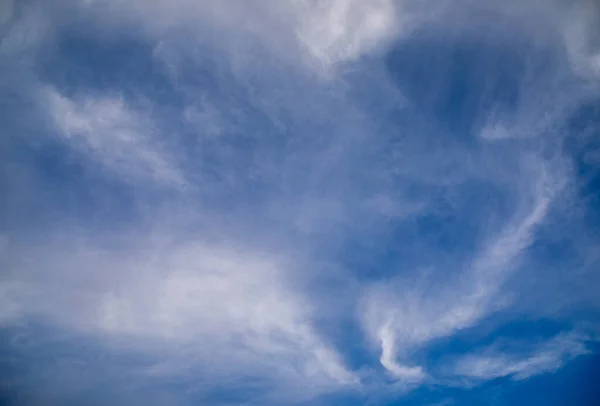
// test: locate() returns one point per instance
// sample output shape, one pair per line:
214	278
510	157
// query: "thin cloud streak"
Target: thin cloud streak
113	134
405	319
547	357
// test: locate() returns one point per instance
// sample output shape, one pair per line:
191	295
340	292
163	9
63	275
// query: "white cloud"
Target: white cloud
547	357
315	33
110	132
333	170
388	358
191	305
343	30
403	317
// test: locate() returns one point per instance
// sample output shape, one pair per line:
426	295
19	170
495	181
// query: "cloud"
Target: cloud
343	30
388	359
194	303
306	197
548	356
405	317
316	34
110	132
580	33
6	11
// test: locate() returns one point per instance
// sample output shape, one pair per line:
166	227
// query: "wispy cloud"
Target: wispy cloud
324	33
344	30
580	31
110	132
201	303
306	196
546	357
405	317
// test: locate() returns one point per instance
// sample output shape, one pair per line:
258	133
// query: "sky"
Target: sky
299	202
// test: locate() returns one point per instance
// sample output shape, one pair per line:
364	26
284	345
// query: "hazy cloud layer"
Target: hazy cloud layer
274	202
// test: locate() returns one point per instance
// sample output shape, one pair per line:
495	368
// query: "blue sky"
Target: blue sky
299	202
